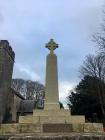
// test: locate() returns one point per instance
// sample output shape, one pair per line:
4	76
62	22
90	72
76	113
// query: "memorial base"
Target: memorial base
51	121
50	128
51	106
52	116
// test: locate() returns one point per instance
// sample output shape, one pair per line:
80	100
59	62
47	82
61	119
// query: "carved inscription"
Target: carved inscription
56	128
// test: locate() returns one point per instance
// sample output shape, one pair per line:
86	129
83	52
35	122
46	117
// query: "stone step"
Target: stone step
51	119
59	119
20	128
26	119
76	119
55	113
45	128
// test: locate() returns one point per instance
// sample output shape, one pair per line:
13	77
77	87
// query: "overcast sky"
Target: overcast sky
29	24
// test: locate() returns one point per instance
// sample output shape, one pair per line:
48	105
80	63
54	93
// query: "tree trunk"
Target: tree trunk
101	99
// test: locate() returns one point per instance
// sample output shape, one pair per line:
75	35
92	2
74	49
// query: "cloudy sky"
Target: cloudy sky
29	24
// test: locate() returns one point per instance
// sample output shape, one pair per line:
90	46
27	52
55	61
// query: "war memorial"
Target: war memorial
48	123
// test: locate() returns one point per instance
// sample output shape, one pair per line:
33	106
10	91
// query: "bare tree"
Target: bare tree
99	38
95	66
29	89
17	84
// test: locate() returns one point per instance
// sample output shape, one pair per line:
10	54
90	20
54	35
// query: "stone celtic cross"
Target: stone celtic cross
51	45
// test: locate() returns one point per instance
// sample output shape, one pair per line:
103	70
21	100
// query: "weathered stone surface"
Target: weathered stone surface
20	128
52	119
26	119
88	127
57	116
30	128
76	119
60	112
78	127
93	127
9	128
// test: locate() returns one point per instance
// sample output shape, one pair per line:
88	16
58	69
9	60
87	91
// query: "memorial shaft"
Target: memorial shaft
51	88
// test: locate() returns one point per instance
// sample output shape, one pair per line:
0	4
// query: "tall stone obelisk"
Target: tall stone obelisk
51	85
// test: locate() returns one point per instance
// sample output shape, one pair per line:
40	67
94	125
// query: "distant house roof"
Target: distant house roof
17	94
27	106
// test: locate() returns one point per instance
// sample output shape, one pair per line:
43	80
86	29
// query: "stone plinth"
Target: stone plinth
60	112
43	128
51	119
52	116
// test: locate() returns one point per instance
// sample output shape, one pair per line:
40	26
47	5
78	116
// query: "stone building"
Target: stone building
10	100
6	68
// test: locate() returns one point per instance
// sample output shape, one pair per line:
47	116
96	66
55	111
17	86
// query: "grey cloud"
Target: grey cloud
1	18
26	73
